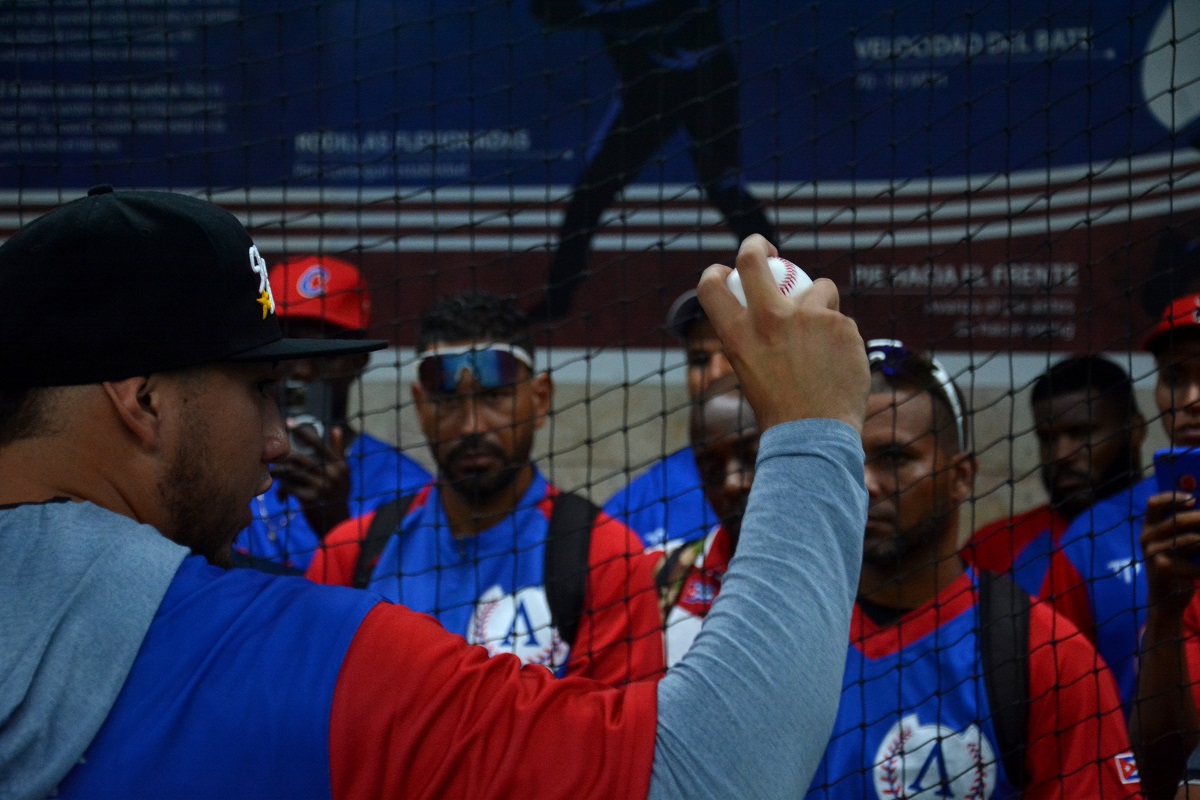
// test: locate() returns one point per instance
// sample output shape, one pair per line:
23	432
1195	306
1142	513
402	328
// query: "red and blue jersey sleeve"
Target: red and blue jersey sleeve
418	713
253	686
619	637
665	506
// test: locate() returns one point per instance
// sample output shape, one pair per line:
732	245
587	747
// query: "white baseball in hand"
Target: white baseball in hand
790	279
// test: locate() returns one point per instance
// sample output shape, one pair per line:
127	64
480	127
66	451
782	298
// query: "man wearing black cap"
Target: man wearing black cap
665	505
138	418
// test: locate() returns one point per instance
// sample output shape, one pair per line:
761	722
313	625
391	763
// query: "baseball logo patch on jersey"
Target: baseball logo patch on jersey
933	761
312	281
518	623
701	591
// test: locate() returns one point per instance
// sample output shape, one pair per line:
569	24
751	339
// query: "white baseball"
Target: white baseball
790	279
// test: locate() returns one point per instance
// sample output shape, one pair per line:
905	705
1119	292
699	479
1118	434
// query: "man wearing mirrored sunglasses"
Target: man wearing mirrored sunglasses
334	471
474	548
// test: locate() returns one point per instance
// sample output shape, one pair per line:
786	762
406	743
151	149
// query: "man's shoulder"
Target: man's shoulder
220	599
1123	509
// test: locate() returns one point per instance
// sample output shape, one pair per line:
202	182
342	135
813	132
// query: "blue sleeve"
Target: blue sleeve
749	709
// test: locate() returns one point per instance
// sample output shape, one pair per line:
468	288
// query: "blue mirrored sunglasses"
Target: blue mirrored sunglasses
896	360
492	366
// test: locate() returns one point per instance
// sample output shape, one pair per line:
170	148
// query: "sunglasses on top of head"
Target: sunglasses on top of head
493	366
893	359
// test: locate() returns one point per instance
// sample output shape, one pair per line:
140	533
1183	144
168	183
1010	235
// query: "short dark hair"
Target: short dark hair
22	413
1088	372
475	316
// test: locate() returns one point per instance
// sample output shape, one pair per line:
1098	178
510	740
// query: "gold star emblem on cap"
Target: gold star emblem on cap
268	304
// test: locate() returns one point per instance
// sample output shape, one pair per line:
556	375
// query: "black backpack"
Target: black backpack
568	542
1004	645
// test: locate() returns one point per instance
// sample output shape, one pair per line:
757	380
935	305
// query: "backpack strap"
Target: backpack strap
1004	645
568	545
385	522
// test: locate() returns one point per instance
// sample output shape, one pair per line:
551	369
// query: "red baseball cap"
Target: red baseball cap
1182	315
322	289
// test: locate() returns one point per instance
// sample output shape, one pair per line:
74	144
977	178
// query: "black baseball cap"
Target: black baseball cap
118	284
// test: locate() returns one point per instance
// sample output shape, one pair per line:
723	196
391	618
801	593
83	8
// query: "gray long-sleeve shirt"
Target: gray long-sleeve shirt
749	709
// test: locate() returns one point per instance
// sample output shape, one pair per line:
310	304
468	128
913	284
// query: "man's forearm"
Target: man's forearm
748	710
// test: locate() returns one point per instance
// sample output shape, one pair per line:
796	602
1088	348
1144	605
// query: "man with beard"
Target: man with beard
922	711
474	547
1090	434
137	421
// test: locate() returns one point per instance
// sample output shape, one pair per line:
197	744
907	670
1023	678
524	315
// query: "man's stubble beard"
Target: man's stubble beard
188	495
900	547
480	488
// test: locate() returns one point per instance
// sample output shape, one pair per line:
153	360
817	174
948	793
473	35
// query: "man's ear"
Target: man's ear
964	468
543	398
138	403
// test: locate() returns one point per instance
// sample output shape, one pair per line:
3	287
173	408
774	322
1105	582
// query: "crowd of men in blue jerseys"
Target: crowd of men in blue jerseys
687	639
937	696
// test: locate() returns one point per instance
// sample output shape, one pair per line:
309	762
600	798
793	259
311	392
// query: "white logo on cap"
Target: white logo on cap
259	265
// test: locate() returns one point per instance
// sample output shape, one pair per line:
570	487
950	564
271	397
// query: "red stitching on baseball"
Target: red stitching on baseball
789	277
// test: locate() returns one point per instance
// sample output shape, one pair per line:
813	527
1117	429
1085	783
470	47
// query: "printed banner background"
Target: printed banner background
975	176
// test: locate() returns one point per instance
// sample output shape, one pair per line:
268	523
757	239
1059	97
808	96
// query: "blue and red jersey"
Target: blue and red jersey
665	505
1098	581
256	686
281	534
490	587
915	717
1019	547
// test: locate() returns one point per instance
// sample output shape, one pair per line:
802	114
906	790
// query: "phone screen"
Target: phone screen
1177	469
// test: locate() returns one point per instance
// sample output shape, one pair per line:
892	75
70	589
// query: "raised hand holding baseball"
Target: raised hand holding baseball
797	357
